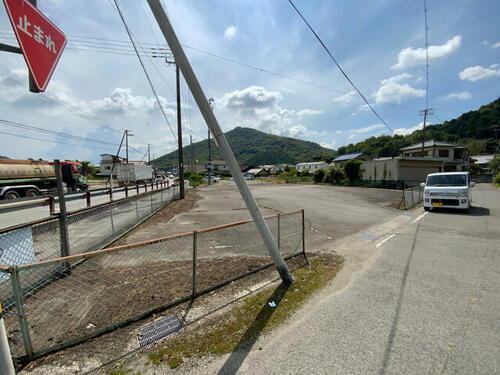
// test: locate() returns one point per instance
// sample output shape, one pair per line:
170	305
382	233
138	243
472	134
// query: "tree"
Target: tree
334	175
494	165
353	170
476	146
319	175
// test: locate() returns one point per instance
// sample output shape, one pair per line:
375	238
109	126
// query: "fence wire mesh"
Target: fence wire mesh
91	293
88	229
412	196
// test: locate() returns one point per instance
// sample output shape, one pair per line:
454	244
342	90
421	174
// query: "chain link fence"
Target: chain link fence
92	293
88	229
411	197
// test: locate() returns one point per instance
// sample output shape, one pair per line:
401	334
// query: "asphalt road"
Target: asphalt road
332	212
420	297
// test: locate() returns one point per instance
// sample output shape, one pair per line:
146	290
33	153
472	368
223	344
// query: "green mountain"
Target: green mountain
253	147
479	130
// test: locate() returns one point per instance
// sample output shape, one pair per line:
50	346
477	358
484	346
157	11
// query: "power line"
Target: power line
143	67
39	139
47	131
338	66
114	43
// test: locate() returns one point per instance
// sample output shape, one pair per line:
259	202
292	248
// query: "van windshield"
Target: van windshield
447	180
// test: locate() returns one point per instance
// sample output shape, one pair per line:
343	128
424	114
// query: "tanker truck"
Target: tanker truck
29	178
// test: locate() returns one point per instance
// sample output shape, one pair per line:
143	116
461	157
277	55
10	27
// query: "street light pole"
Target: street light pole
213	125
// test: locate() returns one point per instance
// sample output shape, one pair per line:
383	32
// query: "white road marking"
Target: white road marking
419	217
385	240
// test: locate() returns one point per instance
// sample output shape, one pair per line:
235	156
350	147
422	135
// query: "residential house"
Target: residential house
258	172
217	166
277	168
414	166
485	174
342	159
107	163
312	166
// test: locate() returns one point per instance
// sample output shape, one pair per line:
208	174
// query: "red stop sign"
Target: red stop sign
40	40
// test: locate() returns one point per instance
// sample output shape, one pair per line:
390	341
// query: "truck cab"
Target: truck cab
448	190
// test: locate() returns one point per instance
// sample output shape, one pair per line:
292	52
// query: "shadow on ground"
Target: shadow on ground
253	332
473	211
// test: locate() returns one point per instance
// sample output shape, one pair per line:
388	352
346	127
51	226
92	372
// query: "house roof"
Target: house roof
348	156
430	143
483	159
313	163
256	170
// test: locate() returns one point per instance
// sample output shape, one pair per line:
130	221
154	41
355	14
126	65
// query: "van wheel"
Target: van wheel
31	193
11	194
427	208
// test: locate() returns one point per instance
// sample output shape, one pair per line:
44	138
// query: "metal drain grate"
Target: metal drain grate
158	330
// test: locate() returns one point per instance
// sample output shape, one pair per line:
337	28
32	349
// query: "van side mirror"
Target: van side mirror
472	184
422	184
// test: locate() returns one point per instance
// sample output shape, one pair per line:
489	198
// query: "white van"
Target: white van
448	190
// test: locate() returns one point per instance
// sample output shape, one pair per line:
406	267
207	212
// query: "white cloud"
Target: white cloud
495	45
391	90
464	95
330	145
250	98
367	129
406	131
346	98
475	73
409	57
259	108
230	32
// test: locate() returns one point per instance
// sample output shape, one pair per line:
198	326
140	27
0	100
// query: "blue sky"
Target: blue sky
378	43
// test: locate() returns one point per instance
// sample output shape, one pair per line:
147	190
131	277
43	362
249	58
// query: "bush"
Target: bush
353	170
335	175
319	176
497	179
195	179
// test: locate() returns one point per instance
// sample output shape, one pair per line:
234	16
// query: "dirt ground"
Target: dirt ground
133	293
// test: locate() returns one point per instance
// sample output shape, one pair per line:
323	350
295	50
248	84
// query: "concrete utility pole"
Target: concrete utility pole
426	112
179	132
149	154
128	133
213	125
209	161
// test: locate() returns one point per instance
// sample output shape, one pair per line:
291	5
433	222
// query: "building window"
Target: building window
444	153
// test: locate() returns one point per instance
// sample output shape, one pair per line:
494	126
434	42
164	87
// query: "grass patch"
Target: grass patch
241	326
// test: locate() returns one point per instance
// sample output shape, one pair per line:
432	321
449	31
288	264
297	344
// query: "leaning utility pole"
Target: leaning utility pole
149	154
213	125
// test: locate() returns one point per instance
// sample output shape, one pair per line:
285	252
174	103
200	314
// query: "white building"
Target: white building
312	166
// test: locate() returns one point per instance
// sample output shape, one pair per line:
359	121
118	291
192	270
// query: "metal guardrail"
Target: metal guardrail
51	200
92	293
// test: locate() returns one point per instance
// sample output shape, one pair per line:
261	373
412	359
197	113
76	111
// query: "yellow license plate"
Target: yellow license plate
437	204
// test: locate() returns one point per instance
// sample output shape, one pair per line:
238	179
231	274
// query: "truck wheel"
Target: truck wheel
31	193
11	194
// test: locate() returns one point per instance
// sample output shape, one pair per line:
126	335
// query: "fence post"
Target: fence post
279	231
412	196
126	191
111	217
137	208
6	364
110	195
145	187
304	235
52	205
63	220
87	196
195	256
152	203
23	322
137	188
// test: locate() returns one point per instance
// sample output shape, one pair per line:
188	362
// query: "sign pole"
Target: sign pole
33	87
213	125
6	364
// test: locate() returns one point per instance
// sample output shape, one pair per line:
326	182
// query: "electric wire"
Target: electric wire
144	67
338	66
115	43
